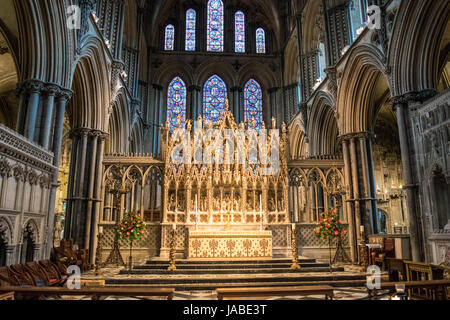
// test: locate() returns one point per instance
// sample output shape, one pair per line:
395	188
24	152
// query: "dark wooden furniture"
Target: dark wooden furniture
95	293
7	296
437	289
65	254
379	256
396	269
419	271
267	292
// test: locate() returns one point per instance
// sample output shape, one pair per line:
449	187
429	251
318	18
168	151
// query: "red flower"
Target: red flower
336	233
128	233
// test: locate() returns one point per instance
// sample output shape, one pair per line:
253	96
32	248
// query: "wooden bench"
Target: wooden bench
437	289
266	292
95	293
7	296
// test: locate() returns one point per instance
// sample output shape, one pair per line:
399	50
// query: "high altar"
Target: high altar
228	208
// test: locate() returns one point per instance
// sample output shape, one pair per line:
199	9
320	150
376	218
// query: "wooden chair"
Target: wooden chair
54	272
419	271
396	269
379	256
20	276
4	277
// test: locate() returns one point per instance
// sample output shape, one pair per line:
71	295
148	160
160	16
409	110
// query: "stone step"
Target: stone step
214	286
260	278
255	262
229	271
228	266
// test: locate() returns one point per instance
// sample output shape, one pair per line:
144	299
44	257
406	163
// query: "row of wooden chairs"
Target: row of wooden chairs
66	255
34	274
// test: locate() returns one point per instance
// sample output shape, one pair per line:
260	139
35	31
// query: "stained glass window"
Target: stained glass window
214	96
215	26
190	30
176	102
260	41
253	103
169	39
239	37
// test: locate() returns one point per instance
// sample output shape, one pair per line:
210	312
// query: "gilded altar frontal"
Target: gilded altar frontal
224	149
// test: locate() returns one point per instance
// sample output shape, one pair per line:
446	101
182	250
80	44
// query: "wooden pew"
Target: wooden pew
267	292
437	289
7	296
94	293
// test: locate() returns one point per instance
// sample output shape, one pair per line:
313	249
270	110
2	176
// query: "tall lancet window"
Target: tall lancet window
239	37
169	38
215	26
176	102
190	29
214	96
260	41
253	103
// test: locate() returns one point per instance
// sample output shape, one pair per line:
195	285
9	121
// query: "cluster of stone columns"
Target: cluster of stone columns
361	198
41	119
85	184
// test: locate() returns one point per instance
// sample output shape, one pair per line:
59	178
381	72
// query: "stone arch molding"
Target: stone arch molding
322	112
415	45
362	69
34	228
7	227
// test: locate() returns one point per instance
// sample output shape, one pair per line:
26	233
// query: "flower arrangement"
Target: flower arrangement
330	226
132	227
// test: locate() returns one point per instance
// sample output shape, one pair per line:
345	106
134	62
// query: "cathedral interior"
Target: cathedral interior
93	92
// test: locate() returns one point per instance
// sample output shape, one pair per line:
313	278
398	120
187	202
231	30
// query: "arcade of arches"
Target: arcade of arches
86	114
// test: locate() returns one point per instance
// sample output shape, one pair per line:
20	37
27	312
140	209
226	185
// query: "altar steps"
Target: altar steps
210	275
213	284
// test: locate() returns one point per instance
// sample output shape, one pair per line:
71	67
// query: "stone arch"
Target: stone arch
172	69
298	140
323	128
7	229
136	138
415	45
31	223
363	69
212	67
90	83
291	67
119	126
45	44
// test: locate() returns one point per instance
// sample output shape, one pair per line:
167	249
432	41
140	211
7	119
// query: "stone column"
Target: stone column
63	96
94	135
97	195
236	105
356	194
348	200
156	122
33	88
369	215
400	106
51	91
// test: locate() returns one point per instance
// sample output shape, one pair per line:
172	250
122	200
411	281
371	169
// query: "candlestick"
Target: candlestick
260	212
293	226
361	228
100	230
196	212
174	227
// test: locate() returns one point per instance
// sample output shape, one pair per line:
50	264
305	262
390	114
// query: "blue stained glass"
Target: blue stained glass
176	102
190	30
253	103
169	39
260	41
215	26
239	41
214	96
